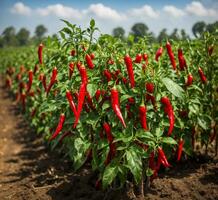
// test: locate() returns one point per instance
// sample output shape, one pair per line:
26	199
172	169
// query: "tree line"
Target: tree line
139	30
9	37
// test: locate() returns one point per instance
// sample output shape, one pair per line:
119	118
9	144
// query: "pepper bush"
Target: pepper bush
139	106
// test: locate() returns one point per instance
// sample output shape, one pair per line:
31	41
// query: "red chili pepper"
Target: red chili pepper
107	130
71	102
112	145
89	100
98	184
116	105
81	99
149	87
97	94
138	58
36	68
202	75
145	57
128	62
189	80
71	69
52	80
107	74
33	112
92	55
158	53
44	82
30	74
83	74
169	111
59	127
182	62
162	158
73	52
142	116
23	100
89	62
40	48
171	55
180	147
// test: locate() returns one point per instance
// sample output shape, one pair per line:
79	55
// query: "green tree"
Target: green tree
174	35
184	35
198	28
9	37
212	27
40	31
162	35
23	36
118	32
139	30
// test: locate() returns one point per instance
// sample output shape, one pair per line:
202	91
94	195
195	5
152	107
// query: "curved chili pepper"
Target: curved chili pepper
158	53
138	58
30	74
168	109
189	80
112	145
180	147
182	62
89	61
40	48
116	105
171	55
162	158
142	116
83	74
202	75
128	62
71	69
149	87
71	102
59	127
107	74
81	98
52	80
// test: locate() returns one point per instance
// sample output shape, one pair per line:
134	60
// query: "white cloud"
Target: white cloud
196	8
145	11
60	11
103	12
173	11
21	9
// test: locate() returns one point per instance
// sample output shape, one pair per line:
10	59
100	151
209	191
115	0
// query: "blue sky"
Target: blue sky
156	14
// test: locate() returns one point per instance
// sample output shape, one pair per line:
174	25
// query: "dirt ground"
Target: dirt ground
29	171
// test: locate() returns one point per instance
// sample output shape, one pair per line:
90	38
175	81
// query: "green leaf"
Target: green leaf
68	24
144	134
202	123
92	89
149	172
168	140
92	23
110	173
124	97
173	87
134	163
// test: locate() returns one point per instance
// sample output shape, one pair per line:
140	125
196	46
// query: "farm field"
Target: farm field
108	118
28	170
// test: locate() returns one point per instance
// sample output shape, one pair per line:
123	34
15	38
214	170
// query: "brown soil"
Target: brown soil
29	171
